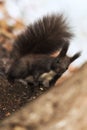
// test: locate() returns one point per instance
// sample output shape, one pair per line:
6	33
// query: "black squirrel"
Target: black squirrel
32	50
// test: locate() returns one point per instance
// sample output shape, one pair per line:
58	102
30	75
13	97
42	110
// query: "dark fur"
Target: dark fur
32	49
45	36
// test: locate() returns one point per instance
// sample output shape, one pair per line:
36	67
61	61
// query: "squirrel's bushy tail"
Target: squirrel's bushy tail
45	36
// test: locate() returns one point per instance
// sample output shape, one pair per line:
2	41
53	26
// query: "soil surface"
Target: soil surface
64	107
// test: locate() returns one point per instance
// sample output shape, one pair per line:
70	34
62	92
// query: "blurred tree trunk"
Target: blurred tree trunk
64	107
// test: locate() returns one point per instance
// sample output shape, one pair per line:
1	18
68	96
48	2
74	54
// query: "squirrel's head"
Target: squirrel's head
63	61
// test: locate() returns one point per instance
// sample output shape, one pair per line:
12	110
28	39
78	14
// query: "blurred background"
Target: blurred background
18	13
66	105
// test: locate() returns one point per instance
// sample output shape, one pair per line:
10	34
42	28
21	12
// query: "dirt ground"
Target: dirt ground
63	107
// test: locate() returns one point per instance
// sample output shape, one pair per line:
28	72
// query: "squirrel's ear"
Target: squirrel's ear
64	50
75	56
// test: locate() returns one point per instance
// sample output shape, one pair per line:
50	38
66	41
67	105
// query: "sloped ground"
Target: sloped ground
63	107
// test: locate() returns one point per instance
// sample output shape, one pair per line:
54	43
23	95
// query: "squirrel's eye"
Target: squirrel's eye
58	61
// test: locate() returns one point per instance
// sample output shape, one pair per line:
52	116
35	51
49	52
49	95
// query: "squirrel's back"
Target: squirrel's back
45	36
